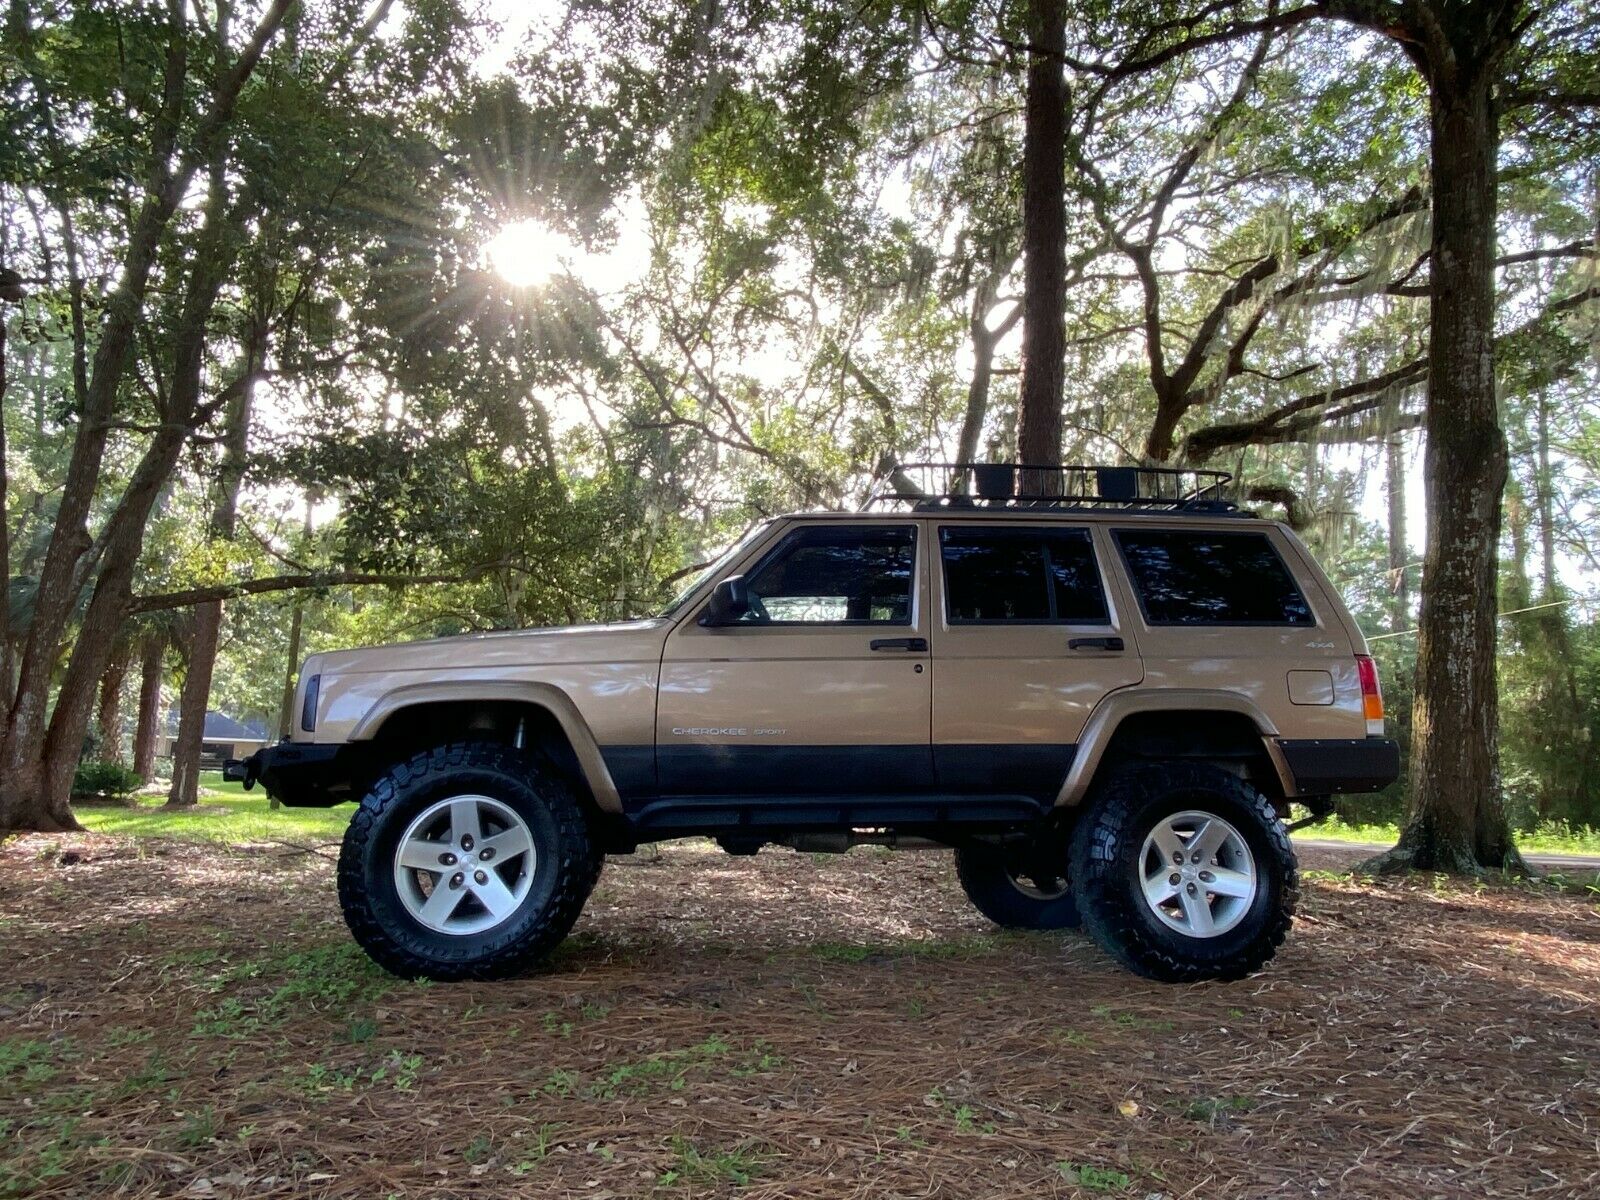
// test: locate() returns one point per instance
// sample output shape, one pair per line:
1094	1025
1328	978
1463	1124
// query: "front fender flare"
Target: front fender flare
541	695
1102	725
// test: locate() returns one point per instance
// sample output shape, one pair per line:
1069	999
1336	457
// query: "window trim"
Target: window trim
799	533
1138	592
1021	533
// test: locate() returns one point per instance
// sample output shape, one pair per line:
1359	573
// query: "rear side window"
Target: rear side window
1205	577
1033	576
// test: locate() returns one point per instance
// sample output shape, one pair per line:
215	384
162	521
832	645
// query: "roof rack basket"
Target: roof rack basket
927	486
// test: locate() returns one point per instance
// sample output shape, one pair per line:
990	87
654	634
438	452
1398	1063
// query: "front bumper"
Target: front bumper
1327	766
302	774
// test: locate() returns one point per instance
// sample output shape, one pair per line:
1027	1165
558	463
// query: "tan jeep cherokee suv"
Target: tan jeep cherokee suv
1101	686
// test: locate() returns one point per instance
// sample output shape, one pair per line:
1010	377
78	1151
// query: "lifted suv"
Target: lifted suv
1101	687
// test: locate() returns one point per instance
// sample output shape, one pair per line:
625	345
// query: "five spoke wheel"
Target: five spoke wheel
464	864
1197	873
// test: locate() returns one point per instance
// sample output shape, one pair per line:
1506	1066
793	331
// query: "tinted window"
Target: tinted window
822	576
1211	578
1037	575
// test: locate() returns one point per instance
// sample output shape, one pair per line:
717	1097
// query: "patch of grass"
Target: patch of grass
1092	1178
544	1139
399	1069
562	1082
1130	1020
197	1129
1549	837
1071	1037
32	1060
1211	1109
692	1165
244	817
671	1067
362	1029
321	979
905	1134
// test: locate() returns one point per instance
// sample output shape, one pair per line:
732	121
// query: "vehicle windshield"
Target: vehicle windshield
717	565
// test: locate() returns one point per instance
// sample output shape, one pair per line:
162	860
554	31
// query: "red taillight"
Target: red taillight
1371	692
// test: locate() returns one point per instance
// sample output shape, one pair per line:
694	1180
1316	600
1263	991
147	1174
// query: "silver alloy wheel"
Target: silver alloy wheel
465	865
1197	874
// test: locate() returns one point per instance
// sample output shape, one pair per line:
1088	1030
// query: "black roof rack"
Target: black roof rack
927	486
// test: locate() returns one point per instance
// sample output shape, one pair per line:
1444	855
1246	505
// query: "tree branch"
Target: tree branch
288	583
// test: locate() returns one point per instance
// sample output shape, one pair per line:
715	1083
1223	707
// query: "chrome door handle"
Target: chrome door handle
913	644
1095	643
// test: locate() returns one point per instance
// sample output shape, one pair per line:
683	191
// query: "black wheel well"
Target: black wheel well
517	723
1226	739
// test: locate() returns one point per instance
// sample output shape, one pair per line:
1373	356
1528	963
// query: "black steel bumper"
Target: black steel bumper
1324	766
301	774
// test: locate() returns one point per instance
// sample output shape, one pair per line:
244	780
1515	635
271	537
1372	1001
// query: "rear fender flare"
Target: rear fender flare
1103	722
541	695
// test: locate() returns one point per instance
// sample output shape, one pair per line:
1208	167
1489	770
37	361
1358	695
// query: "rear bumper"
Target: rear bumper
300	774
1324	766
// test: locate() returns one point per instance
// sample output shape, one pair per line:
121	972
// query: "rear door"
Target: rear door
1029	639
823	690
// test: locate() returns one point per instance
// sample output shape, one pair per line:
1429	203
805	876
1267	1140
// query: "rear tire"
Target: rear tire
1157	908
493	837
1008	889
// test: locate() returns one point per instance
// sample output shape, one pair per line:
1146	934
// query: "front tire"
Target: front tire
1019	889
470	861
1184	872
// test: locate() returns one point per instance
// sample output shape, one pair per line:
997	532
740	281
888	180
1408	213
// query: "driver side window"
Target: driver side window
827	575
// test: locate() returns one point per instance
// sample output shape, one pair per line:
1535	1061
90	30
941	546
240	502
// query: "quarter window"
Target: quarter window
826	576
1205	577
1033	576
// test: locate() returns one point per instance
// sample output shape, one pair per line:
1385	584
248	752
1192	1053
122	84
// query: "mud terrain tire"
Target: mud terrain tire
565	867
1109	866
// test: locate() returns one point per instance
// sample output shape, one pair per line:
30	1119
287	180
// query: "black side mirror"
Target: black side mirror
730	601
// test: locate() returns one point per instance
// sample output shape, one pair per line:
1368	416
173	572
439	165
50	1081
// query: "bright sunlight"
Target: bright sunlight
528	253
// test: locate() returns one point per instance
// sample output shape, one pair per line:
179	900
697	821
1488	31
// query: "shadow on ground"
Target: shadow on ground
187	1021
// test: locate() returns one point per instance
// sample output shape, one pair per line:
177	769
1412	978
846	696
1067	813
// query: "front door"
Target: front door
823	689
1029	640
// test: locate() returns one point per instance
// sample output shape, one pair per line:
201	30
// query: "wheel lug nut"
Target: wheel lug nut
1197	856
466	842
457	879
481	876
447	859
1192	889
486	853
1177	857
1206	876
1175	879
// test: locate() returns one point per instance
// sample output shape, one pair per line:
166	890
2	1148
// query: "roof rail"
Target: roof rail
926	486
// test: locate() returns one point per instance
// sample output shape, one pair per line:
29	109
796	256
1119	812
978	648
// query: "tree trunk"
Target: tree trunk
108	718
1044	233
208	617
7	672
1457	818
1399	549
192	705
152	661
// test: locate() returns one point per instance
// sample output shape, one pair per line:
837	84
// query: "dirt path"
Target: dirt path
184	1022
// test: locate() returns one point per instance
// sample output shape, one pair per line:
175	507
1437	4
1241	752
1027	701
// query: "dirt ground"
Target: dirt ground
192	1021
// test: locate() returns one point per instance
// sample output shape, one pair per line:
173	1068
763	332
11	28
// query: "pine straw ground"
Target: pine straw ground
186	1021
